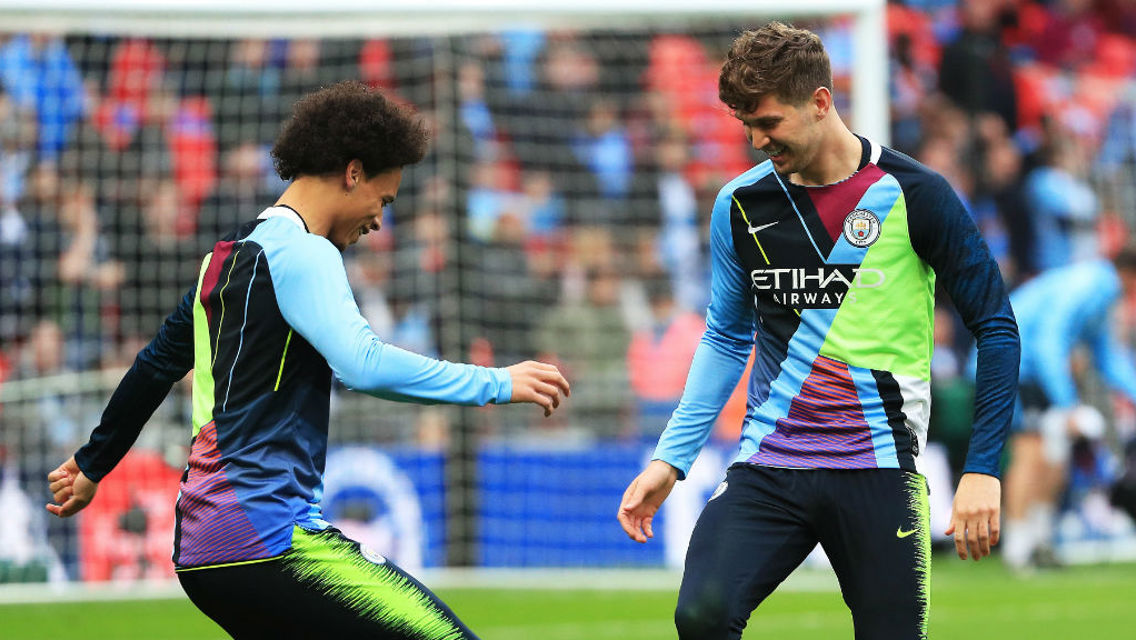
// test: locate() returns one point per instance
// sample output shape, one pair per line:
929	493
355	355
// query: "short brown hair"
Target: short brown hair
347	121
776	59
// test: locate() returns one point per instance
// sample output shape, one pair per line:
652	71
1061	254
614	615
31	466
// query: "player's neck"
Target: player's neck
313	198
837	158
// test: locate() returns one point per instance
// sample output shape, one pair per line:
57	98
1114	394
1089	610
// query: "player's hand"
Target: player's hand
539	383
975	518
70	489
643	498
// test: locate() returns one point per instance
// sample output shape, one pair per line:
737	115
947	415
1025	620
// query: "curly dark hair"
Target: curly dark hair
335	125
776	59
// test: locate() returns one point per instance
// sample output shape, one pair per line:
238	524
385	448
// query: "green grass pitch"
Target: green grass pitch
973	601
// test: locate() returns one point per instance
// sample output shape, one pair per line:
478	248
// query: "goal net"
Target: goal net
561	214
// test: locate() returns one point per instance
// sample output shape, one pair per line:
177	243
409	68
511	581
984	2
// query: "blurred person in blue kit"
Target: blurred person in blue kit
824	264
1058	311
269	321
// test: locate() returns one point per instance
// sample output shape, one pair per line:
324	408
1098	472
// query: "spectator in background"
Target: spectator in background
17	146
157	261
589	339
911	81
999	186
39	74
1071	34
542	122
603	147
242	186
248	88
87	274
679	249
659	356
1057	311
975	72
1064	205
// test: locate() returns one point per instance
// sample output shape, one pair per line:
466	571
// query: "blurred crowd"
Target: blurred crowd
563	210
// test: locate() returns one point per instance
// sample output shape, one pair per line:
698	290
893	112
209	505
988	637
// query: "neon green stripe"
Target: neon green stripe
230	564
221	295
335	567
202	358
284	355
921	518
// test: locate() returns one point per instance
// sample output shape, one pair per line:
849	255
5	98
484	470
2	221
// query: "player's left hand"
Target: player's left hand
976	516
539	383
71	490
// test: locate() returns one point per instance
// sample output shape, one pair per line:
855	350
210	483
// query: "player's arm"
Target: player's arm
718	363
1113	358
944	235
315	299
164	361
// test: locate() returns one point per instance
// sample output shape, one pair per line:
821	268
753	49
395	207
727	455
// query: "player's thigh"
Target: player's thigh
748	539
326	586
878	538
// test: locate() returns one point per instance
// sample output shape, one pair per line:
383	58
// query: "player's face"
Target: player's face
786	133
363	210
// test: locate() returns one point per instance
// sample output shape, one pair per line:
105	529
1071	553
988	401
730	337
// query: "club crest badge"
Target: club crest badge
371	555
861	228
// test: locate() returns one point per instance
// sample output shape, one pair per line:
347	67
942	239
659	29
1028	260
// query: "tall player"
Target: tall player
271	318
829	251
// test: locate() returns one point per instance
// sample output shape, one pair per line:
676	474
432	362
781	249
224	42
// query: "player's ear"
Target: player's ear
822	102
353	174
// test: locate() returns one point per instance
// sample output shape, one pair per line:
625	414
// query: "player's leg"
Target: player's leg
327	586
748	539
1025	491
878	537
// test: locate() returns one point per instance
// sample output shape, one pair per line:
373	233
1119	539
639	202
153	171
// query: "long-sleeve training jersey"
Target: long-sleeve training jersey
838	283
1062	308
271	318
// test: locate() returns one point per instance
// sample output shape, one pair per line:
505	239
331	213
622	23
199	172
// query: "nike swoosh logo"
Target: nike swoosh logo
900	533
753	229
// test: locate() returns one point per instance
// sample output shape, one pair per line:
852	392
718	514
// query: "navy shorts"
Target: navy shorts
326	586
761	524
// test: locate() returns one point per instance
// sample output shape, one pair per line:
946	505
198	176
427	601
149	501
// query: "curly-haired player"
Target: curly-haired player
269	321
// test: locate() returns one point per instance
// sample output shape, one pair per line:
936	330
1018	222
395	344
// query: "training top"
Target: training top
271	318
1062	308
838	283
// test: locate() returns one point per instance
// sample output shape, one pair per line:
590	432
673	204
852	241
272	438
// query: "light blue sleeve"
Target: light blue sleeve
1113	358
721	356
1079	300
316	300
1053	345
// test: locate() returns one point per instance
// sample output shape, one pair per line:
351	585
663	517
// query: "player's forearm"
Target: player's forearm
138	395
714	373
996	382
386	371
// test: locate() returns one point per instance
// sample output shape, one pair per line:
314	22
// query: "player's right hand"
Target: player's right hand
539	383
643	498
70	489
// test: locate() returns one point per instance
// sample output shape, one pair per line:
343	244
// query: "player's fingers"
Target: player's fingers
995	530
631	526
647	527
53	509
57	474
960	540
549	390
60	484
59	497
980	548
